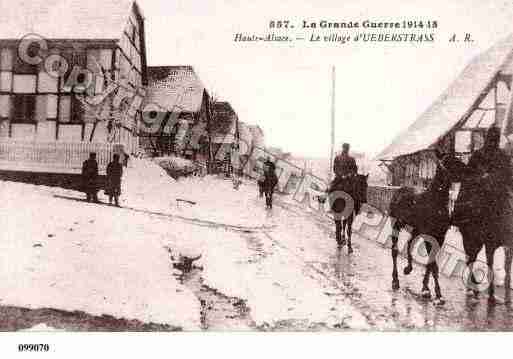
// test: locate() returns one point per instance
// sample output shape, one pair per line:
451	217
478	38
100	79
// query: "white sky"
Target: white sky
381	88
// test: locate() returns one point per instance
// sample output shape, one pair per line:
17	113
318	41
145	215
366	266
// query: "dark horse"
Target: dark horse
346	196
427	214
483	213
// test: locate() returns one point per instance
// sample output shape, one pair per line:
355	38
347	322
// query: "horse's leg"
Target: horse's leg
508	257
490	251
395	252
409	255
268	198
426	293
438	291
472	282
349	233
338	231
472	245
432	255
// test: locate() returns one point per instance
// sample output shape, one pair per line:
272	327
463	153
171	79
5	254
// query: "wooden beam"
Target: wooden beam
506	78
507	117
476	104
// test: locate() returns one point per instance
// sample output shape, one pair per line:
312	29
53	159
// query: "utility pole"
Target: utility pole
332	154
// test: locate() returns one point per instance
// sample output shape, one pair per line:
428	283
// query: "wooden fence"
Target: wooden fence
380	196
52	157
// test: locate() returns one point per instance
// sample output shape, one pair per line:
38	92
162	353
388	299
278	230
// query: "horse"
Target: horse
341	192
483	222
427	213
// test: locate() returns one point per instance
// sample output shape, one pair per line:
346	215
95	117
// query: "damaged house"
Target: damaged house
180	102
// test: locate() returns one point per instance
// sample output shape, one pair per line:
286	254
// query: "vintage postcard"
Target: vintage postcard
239	166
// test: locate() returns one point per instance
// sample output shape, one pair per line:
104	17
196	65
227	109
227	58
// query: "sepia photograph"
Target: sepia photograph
333	167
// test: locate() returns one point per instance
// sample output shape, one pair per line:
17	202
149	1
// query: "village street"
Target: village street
70	265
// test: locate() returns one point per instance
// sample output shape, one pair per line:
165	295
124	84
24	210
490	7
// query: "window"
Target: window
5	106
6	59
106	59
463	141
24	108
47	83
41	105
70	110
46	107
4	127
24	83
5	81
51	107
65	109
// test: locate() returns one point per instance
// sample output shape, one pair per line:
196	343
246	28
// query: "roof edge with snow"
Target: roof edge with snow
453	105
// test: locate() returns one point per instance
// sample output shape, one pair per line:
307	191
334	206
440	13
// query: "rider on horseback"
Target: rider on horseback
488	176
345	168
482	211
344	165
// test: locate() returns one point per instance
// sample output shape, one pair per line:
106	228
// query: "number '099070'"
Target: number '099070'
33	347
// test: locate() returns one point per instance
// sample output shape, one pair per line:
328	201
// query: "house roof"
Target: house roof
454	104
256	130
64	19
175	88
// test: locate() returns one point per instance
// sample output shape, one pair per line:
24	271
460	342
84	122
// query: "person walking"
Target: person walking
90	178
235	164
260	181
270	182
113	185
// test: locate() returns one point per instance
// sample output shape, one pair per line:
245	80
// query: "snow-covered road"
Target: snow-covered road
72	265
364	280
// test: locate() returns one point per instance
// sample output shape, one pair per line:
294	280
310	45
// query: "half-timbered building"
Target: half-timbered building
179	101
481	96
82	47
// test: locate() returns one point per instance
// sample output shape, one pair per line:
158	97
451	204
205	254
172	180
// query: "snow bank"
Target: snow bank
174	162
70	255
63	254
176	166
146	185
